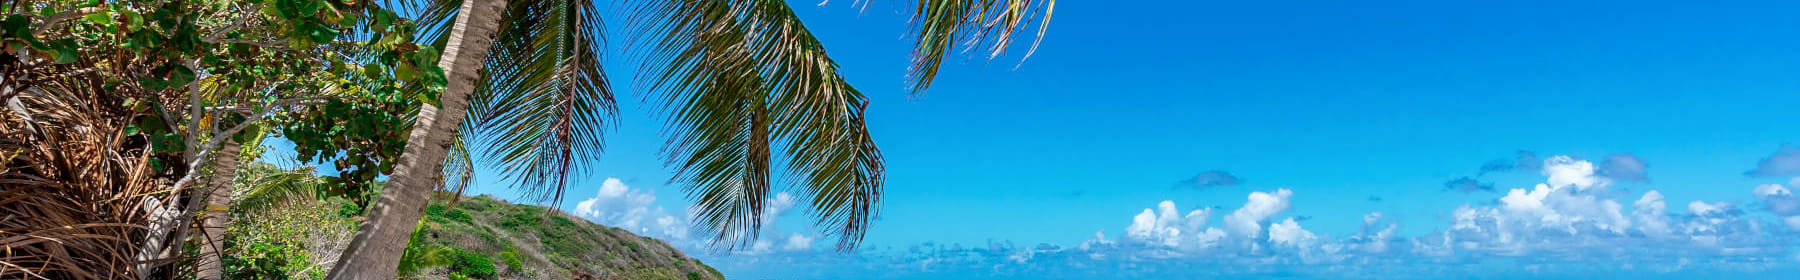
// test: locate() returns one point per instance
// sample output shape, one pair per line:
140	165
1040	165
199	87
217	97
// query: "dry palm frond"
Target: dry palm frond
75	189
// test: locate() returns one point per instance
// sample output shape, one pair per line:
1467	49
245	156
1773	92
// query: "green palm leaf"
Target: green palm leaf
979	24
459	169
739	78
542	106
262	186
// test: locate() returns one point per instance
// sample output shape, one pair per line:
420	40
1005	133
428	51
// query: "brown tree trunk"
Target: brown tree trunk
374	253
216	215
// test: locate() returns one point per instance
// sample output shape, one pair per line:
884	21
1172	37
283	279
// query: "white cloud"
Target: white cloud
1165	225
1247	221
1568	213
1780	201
798	242
1562	203
1289	233
1569	222
773	208
1098	241
1651	213
1703	209
779	204
761	246
1374	237
619	205
1770	190
1565	171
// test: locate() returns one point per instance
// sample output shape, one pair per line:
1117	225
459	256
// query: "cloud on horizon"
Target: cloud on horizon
1571	224
1210	179
1785	162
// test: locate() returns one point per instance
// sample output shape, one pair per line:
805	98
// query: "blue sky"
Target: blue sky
1339	102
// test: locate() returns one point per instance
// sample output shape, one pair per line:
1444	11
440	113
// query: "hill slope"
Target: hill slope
532	242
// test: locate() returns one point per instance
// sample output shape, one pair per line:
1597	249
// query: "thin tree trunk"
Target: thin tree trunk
374	253
218	202
158	245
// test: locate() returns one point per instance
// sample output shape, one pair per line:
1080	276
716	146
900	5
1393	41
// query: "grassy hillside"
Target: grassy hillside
528	241
477	238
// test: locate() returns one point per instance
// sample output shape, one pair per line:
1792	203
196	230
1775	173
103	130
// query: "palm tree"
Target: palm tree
375	251
214	218
743	82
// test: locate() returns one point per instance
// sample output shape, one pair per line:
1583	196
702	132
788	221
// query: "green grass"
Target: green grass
534	242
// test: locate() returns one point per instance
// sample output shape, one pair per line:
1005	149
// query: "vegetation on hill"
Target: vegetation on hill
473	238
534	242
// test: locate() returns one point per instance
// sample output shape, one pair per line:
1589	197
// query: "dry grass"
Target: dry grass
74	187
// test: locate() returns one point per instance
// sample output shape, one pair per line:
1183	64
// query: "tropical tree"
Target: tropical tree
376	250
743	81
124	117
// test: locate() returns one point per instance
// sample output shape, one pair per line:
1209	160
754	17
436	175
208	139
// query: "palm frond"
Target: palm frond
977	24
544	102
738	78
75	186
263	186
459	168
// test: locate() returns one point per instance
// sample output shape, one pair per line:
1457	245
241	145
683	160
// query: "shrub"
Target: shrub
460	216
435	210
264	261
346	208
272	244
474	265
520	220
420	255
511	258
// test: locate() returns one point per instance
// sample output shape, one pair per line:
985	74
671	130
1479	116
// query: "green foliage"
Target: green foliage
460	216
421	255
533	242
264	261
272	243
521	220
345	207
474	264
511	258
442	213
435	210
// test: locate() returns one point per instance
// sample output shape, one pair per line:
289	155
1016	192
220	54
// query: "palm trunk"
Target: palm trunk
374	253
215	217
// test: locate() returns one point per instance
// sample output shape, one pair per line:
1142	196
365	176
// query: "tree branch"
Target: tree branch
194	111
59	18
241	20
283	102
217	36
67	74
265	44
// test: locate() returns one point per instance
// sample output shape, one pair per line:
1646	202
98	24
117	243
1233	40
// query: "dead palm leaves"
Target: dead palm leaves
73	185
